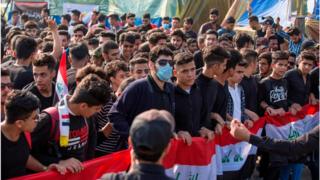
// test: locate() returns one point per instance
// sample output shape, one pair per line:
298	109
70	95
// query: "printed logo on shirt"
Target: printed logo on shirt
278	94
78	138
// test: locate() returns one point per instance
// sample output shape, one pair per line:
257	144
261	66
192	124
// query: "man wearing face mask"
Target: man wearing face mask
153	92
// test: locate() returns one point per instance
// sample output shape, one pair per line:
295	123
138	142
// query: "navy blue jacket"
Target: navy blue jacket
139	96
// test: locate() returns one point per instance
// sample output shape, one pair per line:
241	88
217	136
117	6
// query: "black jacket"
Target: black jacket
282	150
139	96
140	172
190	113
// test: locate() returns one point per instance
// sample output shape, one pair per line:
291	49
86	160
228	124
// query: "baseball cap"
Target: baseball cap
308	44
268	20
150	137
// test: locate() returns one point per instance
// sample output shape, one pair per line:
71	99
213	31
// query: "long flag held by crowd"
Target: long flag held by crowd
203	159
62	82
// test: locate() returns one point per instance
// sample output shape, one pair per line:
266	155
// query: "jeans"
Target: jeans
286	171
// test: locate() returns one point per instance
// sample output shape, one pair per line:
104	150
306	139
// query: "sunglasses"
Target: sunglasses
163	62
8	85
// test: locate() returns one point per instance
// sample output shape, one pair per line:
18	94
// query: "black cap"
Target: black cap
268	20
150	137
308	44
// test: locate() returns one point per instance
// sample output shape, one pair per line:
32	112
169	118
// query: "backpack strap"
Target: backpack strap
54	114
28	138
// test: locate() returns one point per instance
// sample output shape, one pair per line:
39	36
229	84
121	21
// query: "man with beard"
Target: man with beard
212	24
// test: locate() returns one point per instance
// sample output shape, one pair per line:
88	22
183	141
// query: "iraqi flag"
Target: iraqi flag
236	159
289	127
62	82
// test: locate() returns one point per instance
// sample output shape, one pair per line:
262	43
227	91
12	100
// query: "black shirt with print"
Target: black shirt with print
273	92
81	134
14	157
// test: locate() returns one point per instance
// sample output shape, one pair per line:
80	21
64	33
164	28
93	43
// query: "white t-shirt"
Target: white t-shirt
236	98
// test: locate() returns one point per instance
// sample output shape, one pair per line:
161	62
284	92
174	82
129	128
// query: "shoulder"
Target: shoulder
29	87
291	72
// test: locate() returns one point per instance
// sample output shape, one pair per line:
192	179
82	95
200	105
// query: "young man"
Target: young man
165	25
139	68
192	122
264	66
299	82
106	36
31	29
295	39
75	17
243	41
69	140
273	43
126	44
78	58
236	98
43	86
215	60
114	22
66	19
292	61
157	92
45	13
157	38
187	28
272	92
177	39
211	39
249	83
21	118
175	24
212	24
6	87
64	38
150	136
192	45
110	51
116	72
130	18
146	23
78	32
228	27
255	25
21	71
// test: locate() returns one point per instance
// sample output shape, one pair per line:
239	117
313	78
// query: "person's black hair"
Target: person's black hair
76	12
108	34
183	58
179	33
254	18
66	17
250	56
157	51
214	55
30	25
102	17
93	42
46	10
176	18
112	68
191	41
5	72
79	51
267	56
108	45
130	15
25	46
47	47
135	61
80	27
188	20
155	37
241	39
272	37
90	69
166	18
230	20
279	55
214	11
307	55
235	58
210	31
92	90
45	60
292	54
19	105
25	17
146	16
294	31
128	37
64	33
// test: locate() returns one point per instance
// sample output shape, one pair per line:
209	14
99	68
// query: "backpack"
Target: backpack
54	131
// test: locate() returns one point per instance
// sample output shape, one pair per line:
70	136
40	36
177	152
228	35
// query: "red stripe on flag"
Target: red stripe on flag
289	118
63	67
65	116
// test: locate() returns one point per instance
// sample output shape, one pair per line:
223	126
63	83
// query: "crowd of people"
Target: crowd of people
204	80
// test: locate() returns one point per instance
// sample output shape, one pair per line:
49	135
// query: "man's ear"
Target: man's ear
83	106
175	72
19	123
